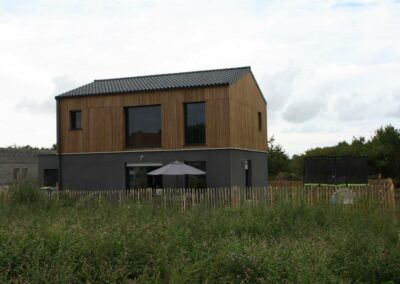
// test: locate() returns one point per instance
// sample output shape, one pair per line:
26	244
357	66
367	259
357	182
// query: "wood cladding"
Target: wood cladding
229	118
245	103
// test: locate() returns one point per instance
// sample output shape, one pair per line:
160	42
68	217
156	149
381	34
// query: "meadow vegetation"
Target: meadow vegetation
63	241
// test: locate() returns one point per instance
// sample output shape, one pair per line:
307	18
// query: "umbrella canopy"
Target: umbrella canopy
176	168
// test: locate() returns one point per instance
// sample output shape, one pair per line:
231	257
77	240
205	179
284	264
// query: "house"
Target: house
18	164
111	133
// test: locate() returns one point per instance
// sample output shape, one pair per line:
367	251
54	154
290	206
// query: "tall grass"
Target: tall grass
64	242
24	192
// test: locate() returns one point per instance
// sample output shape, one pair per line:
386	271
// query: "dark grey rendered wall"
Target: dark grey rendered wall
259	167
225	167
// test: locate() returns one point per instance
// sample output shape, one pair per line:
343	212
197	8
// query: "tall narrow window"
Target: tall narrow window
259	121
75	119
195	123
16	174
24	173
143	126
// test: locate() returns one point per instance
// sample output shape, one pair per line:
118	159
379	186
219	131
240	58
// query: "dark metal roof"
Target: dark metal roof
207	78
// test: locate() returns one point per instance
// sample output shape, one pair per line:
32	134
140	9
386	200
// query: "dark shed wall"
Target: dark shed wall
107	170
46	162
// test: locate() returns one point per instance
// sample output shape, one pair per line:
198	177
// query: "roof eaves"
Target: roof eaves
65	95
262	95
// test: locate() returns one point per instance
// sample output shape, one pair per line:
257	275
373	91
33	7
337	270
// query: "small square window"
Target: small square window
76	119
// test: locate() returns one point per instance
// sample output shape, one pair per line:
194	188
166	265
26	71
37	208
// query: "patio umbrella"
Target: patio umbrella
177	168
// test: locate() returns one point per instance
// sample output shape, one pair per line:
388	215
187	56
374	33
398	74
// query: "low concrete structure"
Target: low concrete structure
19	164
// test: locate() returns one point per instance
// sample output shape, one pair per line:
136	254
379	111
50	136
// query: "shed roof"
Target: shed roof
206	78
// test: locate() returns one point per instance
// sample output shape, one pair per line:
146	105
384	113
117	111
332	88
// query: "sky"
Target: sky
329	70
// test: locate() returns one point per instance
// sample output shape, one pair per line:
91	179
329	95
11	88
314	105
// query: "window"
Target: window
197	181
16	173
143	126
24	173
247	174
195	126
137	177
247	170
50	177
20	173
75	119
259	121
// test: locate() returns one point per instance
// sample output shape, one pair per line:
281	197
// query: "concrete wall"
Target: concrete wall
225	167
11	159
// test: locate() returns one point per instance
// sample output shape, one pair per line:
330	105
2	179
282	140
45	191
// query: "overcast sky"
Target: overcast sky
329	69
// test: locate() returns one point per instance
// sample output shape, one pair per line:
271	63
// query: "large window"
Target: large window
195	123
197	181
75	119
143	126
137	177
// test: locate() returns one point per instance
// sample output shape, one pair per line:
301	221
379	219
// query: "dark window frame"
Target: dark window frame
259	121
184	124
153	179
50	175
126	126
72	119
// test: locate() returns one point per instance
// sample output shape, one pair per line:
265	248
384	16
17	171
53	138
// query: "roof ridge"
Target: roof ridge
176	73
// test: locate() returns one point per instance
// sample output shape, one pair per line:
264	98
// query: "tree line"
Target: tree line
31	148
382	151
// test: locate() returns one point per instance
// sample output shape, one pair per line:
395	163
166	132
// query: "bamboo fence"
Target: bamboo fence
381	194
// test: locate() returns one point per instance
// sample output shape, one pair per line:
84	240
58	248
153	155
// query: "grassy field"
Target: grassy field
52	242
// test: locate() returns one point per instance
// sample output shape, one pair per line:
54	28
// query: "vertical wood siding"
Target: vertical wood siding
231	118
245	103
103	125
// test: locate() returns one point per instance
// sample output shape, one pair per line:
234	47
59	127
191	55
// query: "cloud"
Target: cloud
309	59
63	84
37	107
349	5
48	105
353	107
302	111
395	110
279	88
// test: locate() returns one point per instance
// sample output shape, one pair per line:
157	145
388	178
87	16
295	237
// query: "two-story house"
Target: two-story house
111	133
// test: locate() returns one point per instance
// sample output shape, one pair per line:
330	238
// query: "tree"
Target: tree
278	160
384	152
